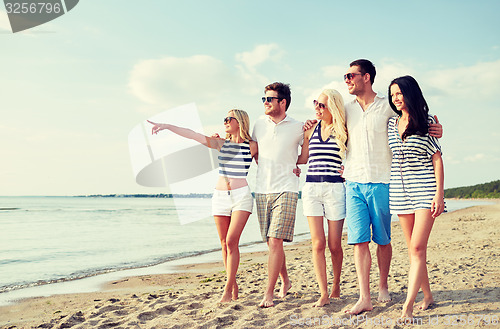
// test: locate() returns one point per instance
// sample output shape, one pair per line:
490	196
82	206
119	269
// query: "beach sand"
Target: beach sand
463	264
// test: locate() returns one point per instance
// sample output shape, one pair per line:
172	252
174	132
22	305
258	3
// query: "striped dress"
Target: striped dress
413	183
235	159
324	159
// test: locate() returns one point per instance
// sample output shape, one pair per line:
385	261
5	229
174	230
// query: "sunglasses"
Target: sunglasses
269	99
320	105
349	76
228	119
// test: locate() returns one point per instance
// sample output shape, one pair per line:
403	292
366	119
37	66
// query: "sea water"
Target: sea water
45	240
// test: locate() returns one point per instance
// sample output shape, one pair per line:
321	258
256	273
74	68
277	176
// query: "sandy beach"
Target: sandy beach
463	266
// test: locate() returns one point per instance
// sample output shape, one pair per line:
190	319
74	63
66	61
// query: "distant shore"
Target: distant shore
463	270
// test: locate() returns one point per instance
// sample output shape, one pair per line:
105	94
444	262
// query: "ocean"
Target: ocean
48	241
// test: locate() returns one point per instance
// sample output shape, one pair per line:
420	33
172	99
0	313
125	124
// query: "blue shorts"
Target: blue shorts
368	205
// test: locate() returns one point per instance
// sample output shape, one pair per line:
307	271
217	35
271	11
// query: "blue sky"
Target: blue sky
71	90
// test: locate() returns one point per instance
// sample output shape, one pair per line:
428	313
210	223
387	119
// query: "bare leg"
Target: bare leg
222	225
336	252
363	262
276	262
421	224
407	222
318	255
286	284
426	289
384	256
232	254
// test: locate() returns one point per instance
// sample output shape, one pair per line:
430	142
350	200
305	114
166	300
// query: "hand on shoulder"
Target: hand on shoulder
309	124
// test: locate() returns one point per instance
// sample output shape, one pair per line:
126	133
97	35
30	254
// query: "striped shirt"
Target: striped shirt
413	182
234	159
324	159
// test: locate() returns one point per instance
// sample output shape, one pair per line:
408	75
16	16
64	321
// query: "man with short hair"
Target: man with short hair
367	174
276	192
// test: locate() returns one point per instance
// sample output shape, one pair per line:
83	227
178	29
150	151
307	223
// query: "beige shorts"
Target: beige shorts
225	202
276	212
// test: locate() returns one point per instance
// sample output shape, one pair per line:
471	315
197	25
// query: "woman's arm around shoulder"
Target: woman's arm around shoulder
254	150
304	152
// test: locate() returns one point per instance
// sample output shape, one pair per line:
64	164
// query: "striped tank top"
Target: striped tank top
324	159
234	159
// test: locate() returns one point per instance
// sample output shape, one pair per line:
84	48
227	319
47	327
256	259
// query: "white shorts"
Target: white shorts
225	202
324	199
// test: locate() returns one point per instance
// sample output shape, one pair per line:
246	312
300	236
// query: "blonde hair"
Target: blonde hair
242	118
338	128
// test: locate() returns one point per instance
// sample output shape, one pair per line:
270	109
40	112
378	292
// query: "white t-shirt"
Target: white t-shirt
278	151
368	158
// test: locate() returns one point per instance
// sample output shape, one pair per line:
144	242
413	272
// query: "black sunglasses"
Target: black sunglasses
349	76
320	105
269	99
228	119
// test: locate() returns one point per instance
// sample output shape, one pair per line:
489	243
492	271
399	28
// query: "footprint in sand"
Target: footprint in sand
73	320
194	306
109	324
148	316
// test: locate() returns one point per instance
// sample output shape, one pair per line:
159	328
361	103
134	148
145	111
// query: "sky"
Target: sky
71	90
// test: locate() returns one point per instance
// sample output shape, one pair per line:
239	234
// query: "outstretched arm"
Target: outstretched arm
211	142
437	206
436	129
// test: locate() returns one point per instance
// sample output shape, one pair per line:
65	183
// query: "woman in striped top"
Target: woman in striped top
416	186
323	195
232	202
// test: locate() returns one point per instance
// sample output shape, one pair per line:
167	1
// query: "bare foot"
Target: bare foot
226	298
284	289
425	304
267	301
235	291
407	311
335	292
384	296
361	306
324	300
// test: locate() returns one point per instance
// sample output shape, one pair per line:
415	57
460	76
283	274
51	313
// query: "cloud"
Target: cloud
475	158
449	159
479	81
209	82
259	55
171	81
387	72
251	63
335	72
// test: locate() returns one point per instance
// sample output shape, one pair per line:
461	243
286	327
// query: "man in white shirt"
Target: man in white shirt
367	174
276	192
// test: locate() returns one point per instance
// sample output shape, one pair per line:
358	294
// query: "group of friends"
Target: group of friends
367	158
